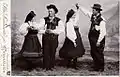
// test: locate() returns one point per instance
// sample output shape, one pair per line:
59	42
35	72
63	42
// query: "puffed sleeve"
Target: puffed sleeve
42	26
71	32
23	29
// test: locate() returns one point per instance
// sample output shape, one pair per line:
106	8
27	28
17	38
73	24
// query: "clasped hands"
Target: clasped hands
31	28
48	31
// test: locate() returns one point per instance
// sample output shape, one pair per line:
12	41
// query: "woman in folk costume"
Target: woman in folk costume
29	29
73	46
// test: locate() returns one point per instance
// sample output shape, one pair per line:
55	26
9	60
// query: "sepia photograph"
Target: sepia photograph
65	37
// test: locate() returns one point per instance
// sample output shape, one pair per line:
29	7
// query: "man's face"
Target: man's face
95	12
51	12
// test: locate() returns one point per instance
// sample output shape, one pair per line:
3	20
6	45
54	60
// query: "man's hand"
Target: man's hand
48	31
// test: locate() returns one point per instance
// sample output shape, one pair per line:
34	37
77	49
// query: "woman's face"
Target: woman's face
33	19
73	17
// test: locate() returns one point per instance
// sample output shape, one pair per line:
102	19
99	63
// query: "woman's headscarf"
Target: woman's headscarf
30	16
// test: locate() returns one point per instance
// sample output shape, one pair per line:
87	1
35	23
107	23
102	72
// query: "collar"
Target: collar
97	16
51	17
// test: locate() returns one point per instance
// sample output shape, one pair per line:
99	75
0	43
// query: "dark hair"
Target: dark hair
53	7
69	14
30	16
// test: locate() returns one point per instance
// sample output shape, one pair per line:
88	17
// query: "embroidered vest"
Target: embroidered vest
95	21
52	25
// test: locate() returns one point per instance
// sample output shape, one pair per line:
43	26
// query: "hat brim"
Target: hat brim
49	7
96	8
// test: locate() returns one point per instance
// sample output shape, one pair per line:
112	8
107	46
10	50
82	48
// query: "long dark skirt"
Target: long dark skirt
31	46
31	43
69	51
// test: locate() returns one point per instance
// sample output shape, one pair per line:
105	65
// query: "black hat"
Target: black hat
53	7
97	6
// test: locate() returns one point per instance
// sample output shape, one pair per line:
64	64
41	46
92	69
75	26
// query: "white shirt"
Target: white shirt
23	29
101	27
59	29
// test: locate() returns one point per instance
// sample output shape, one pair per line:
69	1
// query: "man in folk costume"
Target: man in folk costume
52	27
96	36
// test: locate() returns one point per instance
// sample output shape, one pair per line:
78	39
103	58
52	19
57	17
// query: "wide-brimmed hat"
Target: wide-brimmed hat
97	6
53	7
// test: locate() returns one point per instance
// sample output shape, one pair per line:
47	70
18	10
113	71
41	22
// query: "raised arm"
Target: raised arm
84	10
23	29
76	16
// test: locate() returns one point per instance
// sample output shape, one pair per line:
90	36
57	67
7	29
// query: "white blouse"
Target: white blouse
23	28
71	34
70	31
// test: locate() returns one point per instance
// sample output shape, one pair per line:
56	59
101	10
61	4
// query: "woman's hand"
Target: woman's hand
77	5
30	28
48	31
75	45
